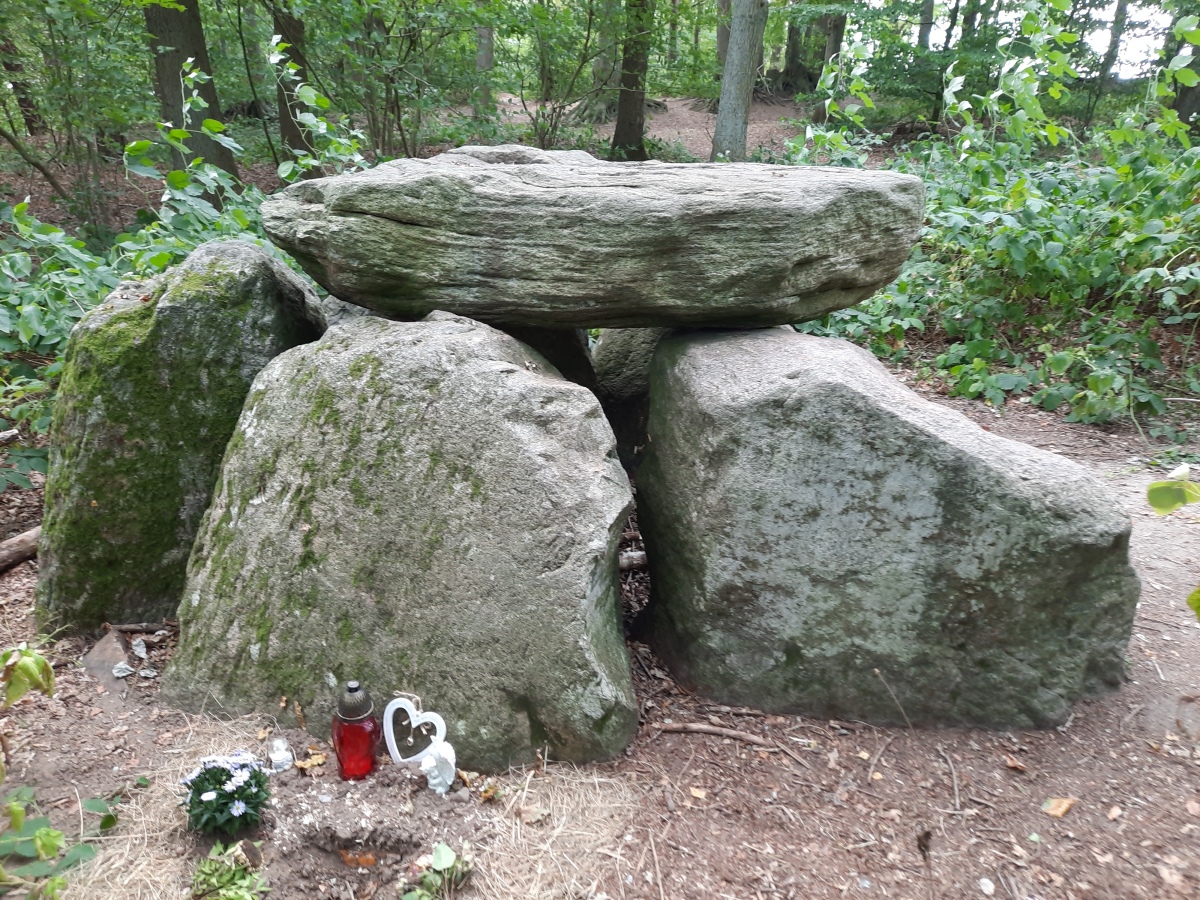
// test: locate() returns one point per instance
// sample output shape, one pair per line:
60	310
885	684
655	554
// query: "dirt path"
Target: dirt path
699	816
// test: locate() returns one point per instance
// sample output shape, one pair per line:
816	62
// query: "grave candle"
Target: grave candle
355	733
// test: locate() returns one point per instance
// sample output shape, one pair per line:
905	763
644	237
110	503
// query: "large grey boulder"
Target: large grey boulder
425	507
817	533
621	359
152	387
561	240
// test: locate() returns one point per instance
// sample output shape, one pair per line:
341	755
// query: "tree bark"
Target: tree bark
11	60
953	24
485	60
1115	32
737	80
723	8
294	138
629	135
1187	99
926	27
17	550
835	32
175	36
970	19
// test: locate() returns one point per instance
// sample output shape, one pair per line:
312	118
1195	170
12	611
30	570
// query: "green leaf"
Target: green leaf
1167	496
79	853
47	842
178	179
443	857
97	805
1187	77
137	148
213	126
1193	601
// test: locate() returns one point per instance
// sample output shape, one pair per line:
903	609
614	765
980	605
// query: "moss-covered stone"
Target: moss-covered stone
435	510
154	381
819	537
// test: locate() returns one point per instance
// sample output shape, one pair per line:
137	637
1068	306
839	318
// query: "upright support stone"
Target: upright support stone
425	507
817	534
151	389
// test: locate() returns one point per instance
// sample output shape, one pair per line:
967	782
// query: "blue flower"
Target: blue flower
237	808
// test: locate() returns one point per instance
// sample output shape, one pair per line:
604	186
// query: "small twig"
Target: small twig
796	756
701	728
79	800
657	871
953	776
9	437
980	800
143	628
895	700
878	755
1181	400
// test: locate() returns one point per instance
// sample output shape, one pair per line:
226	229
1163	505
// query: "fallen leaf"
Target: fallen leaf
263	732
1058	806
1103	858
698	793
863	754
314	759
299	711
468	778
531	815
877	776
833	758
1013	763
1115	813
491	791
283	702
893	814
350	858
165	738
1193	807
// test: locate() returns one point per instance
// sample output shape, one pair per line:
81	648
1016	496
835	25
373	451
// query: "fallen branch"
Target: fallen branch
9	437
36	163
142	627
632	559
953	776
17	550
877	757
701	728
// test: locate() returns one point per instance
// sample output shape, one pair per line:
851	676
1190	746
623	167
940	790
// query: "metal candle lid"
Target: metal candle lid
355	703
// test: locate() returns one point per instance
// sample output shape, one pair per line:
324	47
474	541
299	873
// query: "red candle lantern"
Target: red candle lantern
356	733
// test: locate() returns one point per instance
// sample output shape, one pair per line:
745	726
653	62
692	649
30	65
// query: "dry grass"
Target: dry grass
563	855
149	857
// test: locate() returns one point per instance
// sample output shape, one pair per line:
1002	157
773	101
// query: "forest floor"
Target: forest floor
837	812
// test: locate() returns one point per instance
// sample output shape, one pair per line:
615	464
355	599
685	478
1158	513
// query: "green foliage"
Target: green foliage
32	856
223	875
437	874
1050	265
226	793
1176	492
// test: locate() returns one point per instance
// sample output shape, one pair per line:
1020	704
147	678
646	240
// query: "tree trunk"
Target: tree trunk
835	32
723	7
629	134
926	27
970	19
1115	33
545	64
177	35
796	77
600	105
485	60
673	34
11	60
953	24
737	80
1187	99
295	139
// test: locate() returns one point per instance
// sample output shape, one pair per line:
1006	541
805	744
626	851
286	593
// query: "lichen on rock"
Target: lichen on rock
152	385
820	537
426	507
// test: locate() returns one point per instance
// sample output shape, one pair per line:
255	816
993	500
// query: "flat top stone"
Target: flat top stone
516	235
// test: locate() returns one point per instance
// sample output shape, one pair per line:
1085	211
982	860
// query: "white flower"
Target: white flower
229	787
208	796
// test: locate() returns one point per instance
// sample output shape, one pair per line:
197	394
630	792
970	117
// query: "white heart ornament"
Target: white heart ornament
416	719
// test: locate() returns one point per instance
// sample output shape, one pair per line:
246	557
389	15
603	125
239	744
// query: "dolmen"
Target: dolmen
419	481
